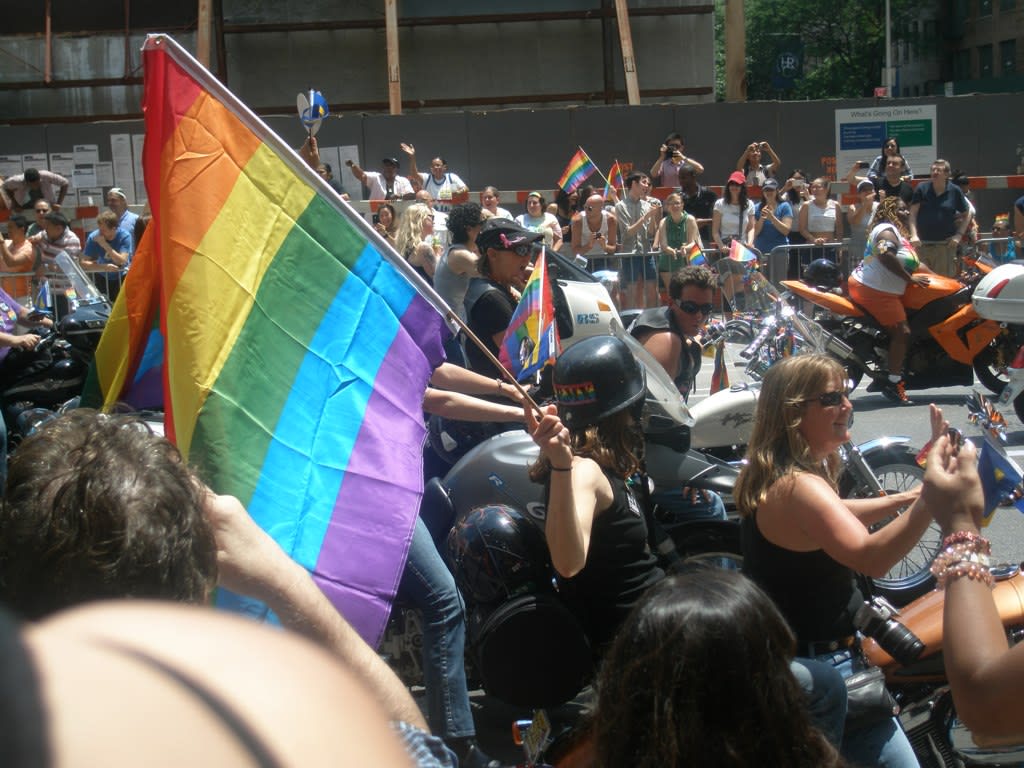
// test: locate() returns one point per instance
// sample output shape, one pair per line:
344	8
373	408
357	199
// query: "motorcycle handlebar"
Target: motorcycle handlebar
758	342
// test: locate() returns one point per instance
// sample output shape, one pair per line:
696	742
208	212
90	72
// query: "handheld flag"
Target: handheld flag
614	179
720	374
740	252
695	256
312	110
580	167
1000	479
531	341
297	344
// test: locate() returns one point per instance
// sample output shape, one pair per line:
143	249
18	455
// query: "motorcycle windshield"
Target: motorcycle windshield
664	408
85	290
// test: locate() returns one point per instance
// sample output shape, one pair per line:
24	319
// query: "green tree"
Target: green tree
842	41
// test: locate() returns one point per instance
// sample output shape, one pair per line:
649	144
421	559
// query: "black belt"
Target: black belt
818	647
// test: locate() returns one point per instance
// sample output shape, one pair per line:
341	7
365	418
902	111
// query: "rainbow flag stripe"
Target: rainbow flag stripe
695	256
297	346
739	251
531	340
580	167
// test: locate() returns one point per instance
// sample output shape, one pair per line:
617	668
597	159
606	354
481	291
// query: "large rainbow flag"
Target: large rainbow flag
297	344
580	167
531	340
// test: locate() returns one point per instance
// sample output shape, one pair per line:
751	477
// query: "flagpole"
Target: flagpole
605	178
454	318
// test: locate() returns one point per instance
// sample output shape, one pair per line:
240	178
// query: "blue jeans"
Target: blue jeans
684	504
428	584
882	744
825	690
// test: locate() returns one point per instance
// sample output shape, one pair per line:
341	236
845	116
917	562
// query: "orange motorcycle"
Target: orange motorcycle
949	341
920	686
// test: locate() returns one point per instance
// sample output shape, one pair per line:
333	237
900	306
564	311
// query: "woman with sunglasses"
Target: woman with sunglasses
803	544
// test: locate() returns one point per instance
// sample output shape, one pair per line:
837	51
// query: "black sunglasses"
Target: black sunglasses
692	307
833	398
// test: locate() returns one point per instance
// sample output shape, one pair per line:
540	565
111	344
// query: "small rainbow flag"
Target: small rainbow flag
531	341
740	252
720	373
695	256
296	344
614	179
577	171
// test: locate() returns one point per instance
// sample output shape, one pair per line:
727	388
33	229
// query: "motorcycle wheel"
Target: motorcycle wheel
896	469
990	368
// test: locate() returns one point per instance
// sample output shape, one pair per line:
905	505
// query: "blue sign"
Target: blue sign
861	135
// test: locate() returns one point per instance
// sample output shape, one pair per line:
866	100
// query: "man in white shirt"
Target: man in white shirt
442	184
386	184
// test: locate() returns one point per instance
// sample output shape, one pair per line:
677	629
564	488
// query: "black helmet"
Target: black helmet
822	273
497	553
595	378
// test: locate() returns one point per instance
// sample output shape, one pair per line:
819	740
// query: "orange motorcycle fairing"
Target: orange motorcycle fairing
964	349
917	296
924	618
837	305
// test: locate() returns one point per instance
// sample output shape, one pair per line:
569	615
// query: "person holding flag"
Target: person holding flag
678	240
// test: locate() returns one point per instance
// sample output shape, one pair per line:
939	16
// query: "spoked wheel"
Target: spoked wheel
897	471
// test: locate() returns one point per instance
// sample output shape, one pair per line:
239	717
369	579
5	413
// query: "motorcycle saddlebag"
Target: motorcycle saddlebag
531	652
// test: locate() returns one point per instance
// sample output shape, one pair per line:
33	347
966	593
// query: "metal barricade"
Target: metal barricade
785	260
107	283
984	246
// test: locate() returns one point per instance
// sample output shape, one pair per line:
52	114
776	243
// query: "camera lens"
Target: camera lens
899	642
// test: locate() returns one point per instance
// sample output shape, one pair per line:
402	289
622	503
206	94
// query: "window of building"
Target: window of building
984	7
1008	57
984	61
962	64
1007	5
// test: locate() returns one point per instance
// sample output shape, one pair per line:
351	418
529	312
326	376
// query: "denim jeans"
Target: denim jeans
882	744
428	584
825	690
684	504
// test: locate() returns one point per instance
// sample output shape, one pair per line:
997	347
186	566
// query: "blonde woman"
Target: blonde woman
415	239
677	234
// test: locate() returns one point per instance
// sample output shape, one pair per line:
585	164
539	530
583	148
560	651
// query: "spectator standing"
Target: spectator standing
442	184
537	219
56	237
20	192
773	219
17	256
934	230
40	209
636	217
385	184
1018	219
117	201
594	233
698	200
890	148
562	209
665	171
859	216
327	174
732	219
751	163
441	236
891	182
385	221
820	219
970	239
490	199
415	239
677	234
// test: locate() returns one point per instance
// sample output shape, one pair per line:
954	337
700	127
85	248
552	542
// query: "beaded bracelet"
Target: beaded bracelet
973	571
968	537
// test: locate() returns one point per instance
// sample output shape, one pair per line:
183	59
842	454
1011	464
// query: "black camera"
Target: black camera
875	620
376	218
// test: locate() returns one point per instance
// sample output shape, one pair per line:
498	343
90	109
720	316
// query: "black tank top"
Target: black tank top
619	569
23	731
815	594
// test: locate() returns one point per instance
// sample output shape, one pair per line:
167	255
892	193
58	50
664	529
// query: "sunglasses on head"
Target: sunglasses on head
833	398
692	307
